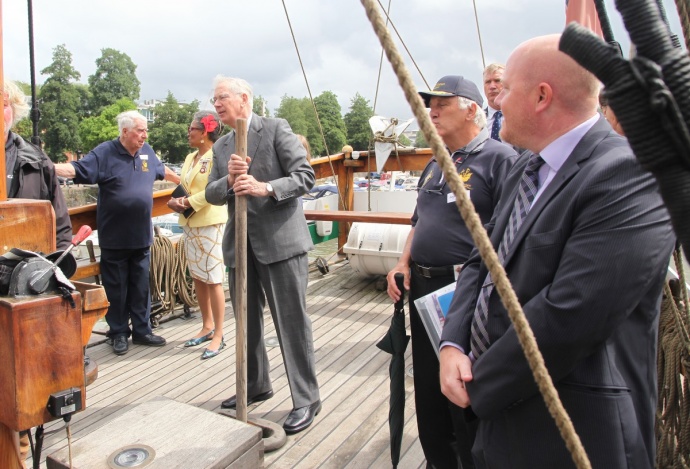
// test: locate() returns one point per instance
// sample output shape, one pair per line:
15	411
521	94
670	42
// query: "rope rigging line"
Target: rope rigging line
378	79
481	240
316	112
479	34
409	54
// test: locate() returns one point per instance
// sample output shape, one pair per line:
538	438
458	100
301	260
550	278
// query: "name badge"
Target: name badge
451	196
144	157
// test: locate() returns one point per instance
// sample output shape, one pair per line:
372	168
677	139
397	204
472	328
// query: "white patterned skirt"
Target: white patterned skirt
203	247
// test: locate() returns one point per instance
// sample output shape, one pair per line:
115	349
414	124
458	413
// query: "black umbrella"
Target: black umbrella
395	342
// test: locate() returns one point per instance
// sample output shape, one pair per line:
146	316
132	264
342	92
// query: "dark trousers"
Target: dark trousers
283	285
445	436
125	276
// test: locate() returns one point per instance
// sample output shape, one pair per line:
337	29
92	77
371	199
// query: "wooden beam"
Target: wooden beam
393	218
86	214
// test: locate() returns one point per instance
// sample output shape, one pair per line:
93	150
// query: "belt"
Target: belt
430	272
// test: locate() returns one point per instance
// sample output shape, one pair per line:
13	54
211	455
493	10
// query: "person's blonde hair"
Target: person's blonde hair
305	142
491	68
17	100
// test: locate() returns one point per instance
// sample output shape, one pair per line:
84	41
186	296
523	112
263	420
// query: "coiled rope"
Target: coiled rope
672	425
184	284
481	240
168	278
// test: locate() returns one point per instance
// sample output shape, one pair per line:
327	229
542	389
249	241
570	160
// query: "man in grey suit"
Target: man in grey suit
585	240
273	178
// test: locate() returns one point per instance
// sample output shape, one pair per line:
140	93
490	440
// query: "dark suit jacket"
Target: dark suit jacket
276	227
588	266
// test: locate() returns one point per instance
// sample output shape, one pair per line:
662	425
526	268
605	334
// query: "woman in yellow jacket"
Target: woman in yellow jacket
203	231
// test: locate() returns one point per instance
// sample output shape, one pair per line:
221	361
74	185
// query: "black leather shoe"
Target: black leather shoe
120	344
149	339
232	402
300	419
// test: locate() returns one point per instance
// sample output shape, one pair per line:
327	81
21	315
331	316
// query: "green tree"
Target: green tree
60	109
420	141
332	121
115	78
168	132
98	129
292	110
299	112
260	107
357	123
85	98
403	140
312	131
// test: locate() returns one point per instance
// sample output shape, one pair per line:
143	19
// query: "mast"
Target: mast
35	113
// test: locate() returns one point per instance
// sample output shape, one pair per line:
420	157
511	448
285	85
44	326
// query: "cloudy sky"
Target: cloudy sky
181	45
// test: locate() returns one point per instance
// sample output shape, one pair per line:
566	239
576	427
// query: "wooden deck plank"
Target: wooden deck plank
348	317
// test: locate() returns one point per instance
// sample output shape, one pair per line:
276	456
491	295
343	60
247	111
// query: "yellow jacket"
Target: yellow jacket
205	213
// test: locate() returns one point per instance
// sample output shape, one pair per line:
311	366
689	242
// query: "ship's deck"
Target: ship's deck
349	315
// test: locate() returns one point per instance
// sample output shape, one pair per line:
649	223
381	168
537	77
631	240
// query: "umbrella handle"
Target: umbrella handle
399	282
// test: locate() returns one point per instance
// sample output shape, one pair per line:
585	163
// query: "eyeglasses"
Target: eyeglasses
222	97
432	191
194	128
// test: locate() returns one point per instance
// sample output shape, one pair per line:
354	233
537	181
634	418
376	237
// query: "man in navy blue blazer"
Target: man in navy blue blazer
587	261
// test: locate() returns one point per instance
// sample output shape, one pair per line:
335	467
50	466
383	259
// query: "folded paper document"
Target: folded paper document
433	309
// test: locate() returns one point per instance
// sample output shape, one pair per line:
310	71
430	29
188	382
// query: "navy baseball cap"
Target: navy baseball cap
454	85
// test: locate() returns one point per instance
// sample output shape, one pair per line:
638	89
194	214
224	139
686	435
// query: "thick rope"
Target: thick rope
168	278
481	240
184	284
673	368
163	262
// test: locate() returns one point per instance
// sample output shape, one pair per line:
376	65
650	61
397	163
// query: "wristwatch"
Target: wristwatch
269	188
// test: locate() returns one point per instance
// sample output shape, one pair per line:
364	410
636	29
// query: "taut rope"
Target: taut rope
481	240
343	202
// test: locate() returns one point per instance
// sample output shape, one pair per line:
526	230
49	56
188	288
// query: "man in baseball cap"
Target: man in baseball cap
454	85
439	243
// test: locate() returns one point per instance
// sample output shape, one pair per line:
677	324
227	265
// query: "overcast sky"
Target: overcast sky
181	45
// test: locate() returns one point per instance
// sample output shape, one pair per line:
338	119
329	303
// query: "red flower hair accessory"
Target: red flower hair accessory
210	124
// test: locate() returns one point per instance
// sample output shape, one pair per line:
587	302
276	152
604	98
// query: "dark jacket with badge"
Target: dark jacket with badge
34	177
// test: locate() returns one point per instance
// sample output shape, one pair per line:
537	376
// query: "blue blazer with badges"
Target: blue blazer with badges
587	265
276	226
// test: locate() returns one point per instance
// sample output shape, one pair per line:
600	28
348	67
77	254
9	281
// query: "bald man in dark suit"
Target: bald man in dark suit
587	256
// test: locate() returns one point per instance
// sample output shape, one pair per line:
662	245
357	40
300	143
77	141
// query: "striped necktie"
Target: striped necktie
496	126
529	185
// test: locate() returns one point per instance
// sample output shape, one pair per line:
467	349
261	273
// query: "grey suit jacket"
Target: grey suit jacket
276	227
588	266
